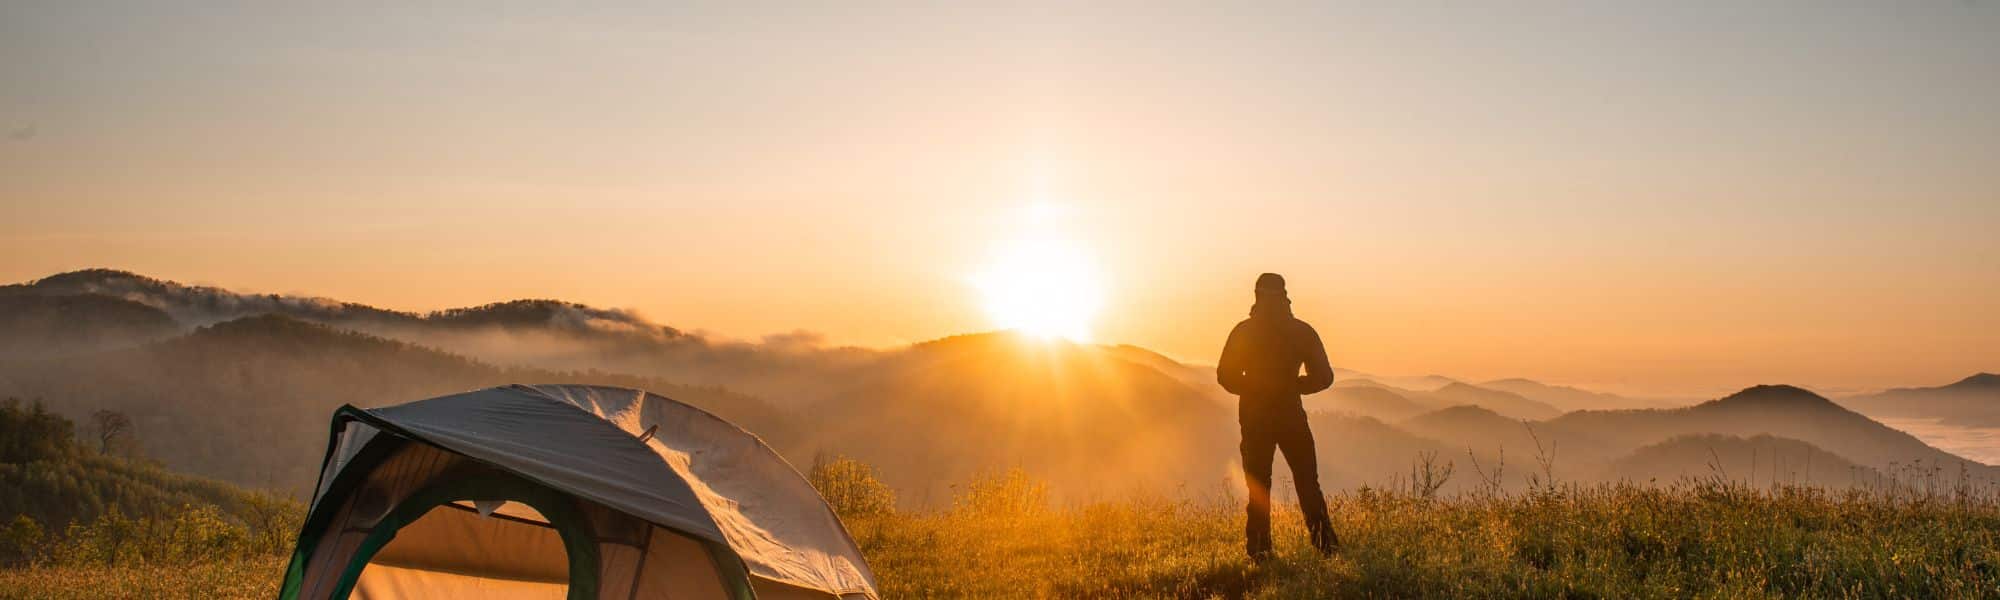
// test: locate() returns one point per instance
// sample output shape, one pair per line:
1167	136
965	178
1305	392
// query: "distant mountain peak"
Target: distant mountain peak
1466	411
1774	395
94	274
559	314
267	324
1980	380
1009	339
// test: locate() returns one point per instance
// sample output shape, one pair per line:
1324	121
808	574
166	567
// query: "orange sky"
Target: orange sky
1668	199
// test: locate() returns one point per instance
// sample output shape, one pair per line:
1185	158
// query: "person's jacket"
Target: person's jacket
1263	356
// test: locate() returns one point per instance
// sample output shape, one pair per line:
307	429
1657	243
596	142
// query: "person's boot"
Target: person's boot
1259	548
1324	539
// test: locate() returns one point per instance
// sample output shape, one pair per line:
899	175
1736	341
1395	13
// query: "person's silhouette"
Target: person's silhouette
1260	364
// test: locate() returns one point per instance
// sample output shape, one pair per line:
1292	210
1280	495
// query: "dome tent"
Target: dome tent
555	491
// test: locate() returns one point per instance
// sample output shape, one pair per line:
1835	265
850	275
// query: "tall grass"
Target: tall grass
1001	538
1921	537
253	577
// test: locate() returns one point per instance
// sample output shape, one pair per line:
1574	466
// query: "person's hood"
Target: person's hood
1271	304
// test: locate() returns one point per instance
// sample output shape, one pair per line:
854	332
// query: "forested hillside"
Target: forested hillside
201	403
62	498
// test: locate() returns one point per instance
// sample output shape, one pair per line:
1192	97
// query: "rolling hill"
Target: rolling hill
200	400
1565	398
547	334
1377	401
37	325
1368	401
1973	401
1506	403
1775	410
1756	460
1092	420
1083	417
50	477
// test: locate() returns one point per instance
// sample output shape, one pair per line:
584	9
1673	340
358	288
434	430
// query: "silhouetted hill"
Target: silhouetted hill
1453	394
35	325
1367	401
1566	398
248	400
927	415
1757	460
1493	437
1356	451
1414	383
557	315
1201	378
193	305
1080	416
1461	417
1506	403
1973	401
246	397
548	334
1981	381
1776	410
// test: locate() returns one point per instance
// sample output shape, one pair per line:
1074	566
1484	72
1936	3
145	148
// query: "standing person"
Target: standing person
1260	364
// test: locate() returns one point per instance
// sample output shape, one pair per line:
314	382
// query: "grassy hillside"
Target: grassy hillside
1000	539
1715	541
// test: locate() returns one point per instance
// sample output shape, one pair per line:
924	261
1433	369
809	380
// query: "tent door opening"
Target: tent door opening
436	544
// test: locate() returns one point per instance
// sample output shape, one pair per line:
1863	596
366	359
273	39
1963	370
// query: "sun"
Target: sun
1044	287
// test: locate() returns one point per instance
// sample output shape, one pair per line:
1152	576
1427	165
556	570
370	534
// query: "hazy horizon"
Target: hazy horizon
1676	199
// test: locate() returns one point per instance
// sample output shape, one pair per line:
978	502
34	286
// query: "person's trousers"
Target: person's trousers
1271	425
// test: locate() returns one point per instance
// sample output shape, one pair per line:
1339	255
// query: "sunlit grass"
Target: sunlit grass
241	578
1002	539
1581	542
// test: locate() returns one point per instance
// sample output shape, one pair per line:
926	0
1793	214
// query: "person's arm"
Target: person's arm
1229	369
1319	372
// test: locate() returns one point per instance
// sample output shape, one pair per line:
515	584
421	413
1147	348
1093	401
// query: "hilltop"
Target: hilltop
1973	401
1776	410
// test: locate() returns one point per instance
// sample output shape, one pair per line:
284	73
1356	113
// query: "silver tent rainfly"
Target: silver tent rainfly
561	491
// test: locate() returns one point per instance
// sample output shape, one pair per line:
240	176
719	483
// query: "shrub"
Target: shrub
850	487
1009	493
194	534
21	541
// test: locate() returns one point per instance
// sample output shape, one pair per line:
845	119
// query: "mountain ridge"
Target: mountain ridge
936	411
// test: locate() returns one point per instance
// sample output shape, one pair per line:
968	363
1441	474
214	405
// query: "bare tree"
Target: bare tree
111	425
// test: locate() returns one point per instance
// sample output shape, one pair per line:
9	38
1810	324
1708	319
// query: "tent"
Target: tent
554	491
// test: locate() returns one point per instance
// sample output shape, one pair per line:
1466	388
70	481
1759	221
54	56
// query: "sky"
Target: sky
1675	197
